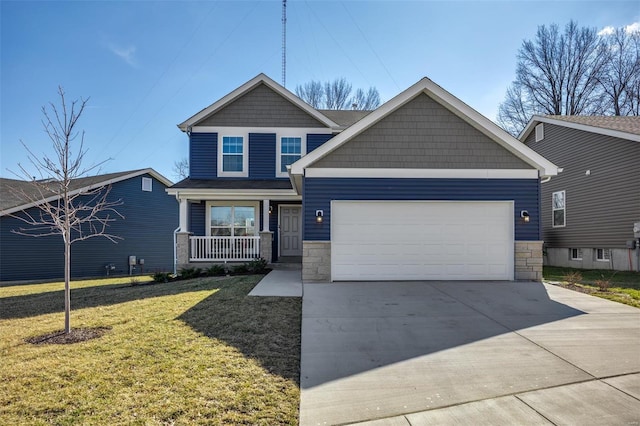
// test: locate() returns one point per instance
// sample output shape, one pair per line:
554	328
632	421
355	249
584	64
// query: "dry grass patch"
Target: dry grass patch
187	352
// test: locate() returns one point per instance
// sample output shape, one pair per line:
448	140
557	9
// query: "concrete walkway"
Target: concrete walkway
498	353
279	283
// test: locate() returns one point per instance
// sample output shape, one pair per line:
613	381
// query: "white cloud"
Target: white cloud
629	29
606	31
633	28
127	54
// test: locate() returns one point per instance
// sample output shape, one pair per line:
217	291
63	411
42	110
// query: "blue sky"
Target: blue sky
148	65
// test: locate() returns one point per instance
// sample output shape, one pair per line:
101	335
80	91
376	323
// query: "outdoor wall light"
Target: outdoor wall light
319	214
270	209
525	216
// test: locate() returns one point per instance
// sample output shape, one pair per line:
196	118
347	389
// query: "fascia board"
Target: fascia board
260	78
208	193
577	126
100	184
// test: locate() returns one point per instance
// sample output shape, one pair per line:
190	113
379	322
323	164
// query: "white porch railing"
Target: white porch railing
224	249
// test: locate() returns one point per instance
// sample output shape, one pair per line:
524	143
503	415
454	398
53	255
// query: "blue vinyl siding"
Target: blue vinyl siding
147	231
318	193
197	218
315	140
203	155
262	155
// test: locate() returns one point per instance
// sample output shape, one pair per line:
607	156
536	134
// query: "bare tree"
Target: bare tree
621	77
366	101
72	213
336	94
312	93
181	169
557	74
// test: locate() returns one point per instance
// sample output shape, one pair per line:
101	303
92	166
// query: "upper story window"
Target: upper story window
558	206
539	132
232	160
147	184
290	152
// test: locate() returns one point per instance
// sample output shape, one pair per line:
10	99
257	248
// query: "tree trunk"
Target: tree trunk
67	288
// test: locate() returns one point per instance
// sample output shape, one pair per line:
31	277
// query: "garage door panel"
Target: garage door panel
421	240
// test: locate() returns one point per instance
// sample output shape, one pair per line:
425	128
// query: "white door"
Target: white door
290	231
421	240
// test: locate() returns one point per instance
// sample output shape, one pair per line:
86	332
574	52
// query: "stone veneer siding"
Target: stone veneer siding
266	241
316	261
528	260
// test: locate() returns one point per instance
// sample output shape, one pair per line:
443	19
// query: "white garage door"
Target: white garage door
421	240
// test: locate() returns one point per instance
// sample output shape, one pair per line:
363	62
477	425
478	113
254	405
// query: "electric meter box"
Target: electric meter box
132	260
636	230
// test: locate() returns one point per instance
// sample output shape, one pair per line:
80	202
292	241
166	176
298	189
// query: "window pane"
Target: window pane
220	232
232	145
241	232
231	163
220	216
558	200
286	160
244	216
558	218
291	145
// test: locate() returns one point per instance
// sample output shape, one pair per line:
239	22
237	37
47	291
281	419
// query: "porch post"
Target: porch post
183	215
265	215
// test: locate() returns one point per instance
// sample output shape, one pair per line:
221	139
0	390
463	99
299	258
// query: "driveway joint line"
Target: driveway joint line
516	332
617	388
534	409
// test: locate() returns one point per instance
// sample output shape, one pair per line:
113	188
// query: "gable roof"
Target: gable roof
247	87
453	104
345	117
11	202
617	126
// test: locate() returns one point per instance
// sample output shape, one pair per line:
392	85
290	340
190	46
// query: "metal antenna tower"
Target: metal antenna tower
284	43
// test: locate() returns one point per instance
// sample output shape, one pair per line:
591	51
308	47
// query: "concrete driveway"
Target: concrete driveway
418	353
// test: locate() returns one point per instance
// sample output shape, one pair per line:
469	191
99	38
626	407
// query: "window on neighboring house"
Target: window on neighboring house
147	184
232	154
290	151
603	255
576	254
539	132
232	221
558	205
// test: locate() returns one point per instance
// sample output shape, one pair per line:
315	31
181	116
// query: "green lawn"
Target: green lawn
188	352
624	286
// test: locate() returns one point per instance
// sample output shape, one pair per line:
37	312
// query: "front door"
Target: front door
290	231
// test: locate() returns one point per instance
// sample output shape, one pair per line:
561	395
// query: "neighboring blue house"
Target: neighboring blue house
150	218
422	188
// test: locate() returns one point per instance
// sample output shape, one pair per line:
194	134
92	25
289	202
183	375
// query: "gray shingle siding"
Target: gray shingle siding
422	134
261	107
600	207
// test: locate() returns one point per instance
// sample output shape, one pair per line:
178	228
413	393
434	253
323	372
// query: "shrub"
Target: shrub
603	284
257	266
242	268
162	277
216	270
572	278
188	273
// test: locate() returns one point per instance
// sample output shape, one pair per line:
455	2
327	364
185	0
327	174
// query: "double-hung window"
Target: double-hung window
290	152
603	255
558	207
233	161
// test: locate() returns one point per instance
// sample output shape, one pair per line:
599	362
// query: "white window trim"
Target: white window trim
303	150
245	155
564	197
539	132
579	252
210	204
603	259
147	184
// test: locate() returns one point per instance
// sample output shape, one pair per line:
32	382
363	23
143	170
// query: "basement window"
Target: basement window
147	184
603	255
575	254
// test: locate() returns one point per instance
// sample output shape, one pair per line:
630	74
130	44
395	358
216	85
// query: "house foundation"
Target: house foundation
528	260
316	261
